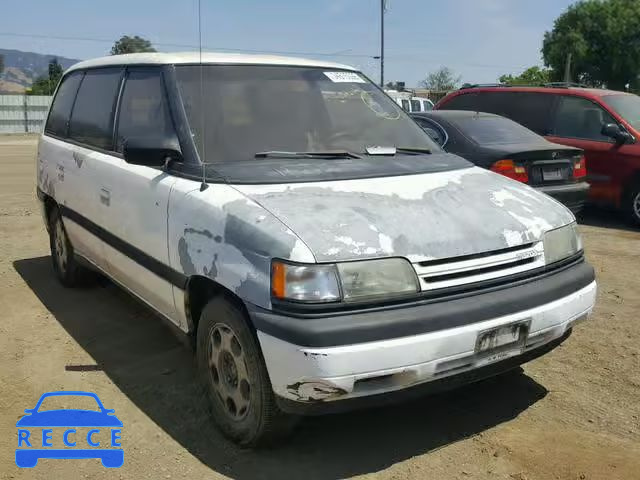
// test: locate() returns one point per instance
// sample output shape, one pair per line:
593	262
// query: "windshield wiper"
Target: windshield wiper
413	150
391	151
327	155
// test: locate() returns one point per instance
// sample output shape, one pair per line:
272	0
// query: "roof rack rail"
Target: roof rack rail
564	85
478	85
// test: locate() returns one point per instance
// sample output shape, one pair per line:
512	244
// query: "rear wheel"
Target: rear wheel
65	264
632	203
236	379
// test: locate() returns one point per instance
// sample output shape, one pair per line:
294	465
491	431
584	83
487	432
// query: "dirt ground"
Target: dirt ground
573	414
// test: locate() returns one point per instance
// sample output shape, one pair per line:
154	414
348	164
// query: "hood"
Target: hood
421	217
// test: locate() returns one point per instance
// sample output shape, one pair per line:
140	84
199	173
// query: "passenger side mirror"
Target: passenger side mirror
151	151
612	130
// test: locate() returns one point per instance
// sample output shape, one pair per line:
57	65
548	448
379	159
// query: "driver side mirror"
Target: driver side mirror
151	151
612	130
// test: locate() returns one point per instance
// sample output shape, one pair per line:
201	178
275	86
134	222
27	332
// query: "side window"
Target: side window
426	106
92	115
489	102
405	105
580	118
464	101
415	106
144	111
532	110
61	108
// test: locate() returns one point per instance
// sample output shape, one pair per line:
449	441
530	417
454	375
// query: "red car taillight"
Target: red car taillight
580	167
510	169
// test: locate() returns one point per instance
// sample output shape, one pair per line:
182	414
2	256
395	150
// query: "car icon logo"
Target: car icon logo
82	433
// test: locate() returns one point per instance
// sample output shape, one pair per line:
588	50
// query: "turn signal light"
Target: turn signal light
580	167
510	169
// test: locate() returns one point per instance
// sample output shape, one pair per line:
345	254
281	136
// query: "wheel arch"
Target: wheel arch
199	291
49	204
633	181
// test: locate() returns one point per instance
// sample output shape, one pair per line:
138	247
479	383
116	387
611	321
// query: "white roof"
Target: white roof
207	57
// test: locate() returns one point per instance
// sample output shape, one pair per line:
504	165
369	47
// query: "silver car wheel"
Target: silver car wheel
636	205
228	371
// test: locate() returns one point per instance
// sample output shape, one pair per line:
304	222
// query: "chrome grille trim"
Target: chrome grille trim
485	267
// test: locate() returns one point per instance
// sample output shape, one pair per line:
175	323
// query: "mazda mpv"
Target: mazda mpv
324	253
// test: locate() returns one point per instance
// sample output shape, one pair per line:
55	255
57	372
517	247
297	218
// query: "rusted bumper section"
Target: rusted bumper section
308	374
322	407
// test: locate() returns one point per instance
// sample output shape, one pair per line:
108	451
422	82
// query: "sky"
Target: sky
478	39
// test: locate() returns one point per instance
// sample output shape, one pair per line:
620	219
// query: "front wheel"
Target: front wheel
236	379
633	204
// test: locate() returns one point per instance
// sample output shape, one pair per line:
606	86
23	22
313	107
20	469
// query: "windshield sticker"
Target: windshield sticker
345	77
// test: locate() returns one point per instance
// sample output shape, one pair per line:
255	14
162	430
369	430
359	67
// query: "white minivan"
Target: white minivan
322	251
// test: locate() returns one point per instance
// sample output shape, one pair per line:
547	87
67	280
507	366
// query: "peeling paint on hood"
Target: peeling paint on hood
421	217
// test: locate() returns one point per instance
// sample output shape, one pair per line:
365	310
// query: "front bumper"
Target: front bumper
312	379
573	195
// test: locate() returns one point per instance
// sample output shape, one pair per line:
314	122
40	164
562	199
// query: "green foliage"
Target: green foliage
531	76
128	44
604	40
1	64
46	84
443	79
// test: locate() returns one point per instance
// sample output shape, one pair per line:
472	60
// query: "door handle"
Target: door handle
105	197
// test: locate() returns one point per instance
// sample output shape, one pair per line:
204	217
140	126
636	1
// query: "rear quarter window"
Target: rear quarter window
63	102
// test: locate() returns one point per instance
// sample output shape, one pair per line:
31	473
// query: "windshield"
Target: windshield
627	106
489	130
243	110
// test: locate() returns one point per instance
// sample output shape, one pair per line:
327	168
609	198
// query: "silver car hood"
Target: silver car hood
421	217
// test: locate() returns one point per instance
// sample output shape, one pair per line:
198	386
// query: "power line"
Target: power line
396	58
190	46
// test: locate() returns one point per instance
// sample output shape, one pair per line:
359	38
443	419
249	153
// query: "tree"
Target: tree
603	39
441	80
1	64
400	86
531	76
46	84
128	44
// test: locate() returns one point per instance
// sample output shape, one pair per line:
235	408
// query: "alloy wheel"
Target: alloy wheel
636	205
228	371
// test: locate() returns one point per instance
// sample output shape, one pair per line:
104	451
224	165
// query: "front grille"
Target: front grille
469	269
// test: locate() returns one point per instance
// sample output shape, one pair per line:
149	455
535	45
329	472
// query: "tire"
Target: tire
235	377
632	204
65	265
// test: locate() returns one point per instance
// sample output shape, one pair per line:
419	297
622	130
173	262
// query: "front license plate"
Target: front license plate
551	174
501	342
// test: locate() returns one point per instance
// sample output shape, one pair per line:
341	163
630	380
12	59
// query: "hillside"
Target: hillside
21	68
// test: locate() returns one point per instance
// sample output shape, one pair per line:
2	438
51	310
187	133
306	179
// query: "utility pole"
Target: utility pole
383	8
567	70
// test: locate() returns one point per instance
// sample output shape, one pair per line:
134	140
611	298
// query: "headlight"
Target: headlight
561	243
372	278
348	281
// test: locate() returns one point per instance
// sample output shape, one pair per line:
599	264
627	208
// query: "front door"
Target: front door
138	195
578	123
